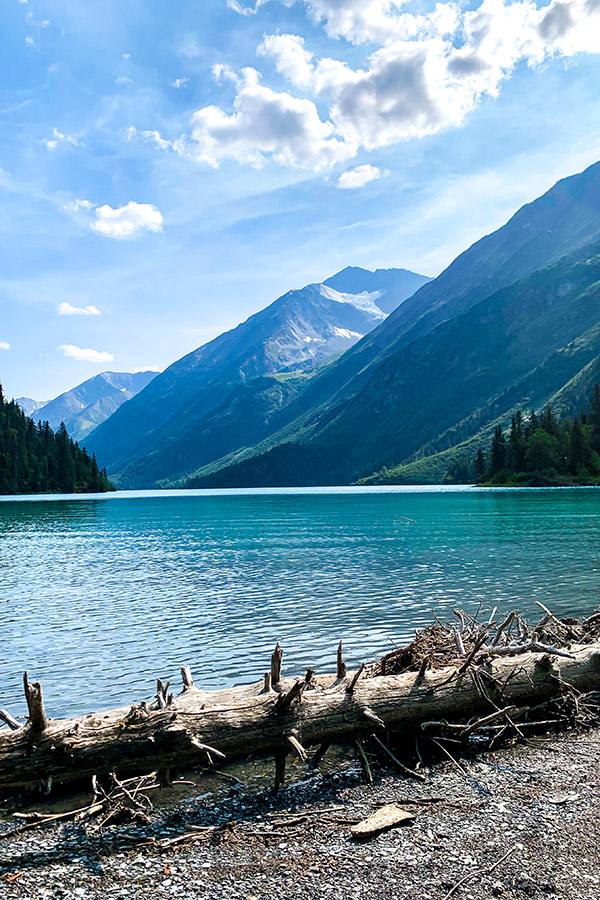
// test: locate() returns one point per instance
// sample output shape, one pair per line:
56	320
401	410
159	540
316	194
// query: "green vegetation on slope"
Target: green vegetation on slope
35	460
542	451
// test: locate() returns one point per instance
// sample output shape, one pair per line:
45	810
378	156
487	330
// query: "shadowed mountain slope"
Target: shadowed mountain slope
162	433
449	354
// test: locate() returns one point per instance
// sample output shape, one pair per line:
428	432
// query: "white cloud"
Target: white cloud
76	205
265	124
179	83
361	175
146	369
59	138
87	355
243	10
428	71
65	309
123	79
29	41
292	59
4	345
126	55
126	221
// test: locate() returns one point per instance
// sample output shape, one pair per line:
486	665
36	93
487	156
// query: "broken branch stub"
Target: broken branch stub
245	720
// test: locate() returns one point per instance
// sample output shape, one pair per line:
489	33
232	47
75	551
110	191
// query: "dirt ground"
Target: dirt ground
530	811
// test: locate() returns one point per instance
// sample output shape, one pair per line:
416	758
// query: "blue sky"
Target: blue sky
168	168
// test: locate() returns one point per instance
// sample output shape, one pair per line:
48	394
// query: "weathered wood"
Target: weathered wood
276	660
35	704
9	720
245	720
186	675
341	665
280	758
364	761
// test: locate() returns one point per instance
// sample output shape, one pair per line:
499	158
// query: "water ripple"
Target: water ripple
98	596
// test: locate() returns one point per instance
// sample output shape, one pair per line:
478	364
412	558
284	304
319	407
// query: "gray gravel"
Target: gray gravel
540	799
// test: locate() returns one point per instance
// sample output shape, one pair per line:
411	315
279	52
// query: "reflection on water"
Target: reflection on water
100	596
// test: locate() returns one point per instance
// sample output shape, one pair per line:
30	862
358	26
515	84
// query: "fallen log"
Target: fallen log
276	716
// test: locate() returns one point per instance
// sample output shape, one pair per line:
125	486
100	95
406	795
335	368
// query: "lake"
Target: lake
101	594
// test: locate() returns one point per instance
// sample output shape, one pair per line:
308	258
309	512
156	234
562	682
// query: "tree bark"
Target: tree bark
275	716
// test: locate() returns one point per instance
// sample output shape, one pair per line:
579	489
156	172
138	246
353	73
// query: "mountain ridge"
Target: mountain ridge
296	332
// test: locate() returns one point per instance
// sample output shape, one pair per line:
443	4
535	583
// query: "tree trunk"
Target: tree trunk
276	717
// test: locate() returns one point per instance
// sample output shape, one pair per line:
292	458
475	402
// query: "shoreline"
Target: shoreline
542	799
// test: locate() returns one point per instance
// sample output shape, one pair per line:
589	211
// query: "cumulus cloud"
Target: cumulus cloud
126	221
4	345
426	73
179	83
59	138
65	309
85	355
265	124
430	70
361	175
146	369
123	79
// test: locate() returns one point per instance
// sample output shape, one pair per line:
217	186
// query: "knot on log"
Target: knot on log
35	704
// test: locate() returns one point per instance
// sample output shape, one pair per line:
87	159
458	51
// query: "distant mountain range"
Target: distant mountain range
29	406
231	392
380	376
513	321
90	403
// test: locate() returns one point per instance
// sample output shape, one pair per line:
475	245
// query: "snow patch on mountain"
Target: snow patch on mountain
346	333
365	301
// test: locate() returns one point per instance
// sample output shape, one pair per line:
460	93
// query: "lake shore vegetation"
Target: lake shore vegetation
36	460
540	451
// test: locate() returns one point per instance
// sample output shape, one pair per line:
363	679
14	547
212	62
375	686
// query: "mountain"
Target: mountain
231	392
30	406
84	407
512	320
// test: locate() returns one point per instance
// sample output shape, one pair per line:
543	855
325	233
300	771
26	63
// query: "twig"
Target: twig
480	872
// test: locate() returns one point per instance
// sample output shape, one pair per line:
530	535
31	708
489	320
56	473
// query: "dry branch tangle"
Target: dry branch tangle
251	719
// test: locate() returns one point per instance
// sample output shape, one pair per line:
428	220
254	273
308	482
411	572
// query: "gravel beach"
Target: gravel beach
519	822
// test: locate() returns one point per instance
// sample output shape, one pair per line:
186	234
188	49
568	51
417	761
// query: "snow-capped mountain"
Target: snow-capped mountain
92	402
159	431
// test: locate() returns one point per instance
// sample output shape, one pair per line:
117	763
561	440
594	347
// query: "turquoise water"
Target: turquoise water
100	595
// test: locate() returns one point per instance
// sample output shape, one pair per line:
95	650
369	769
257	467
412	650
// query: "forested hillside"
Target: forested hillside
540	450
35	460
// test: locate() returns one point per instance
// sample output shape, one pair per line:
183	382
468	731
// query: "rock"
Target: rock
385	817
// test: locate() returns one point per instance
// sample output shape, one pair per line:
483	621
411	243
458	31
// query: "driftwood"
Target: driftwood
477	680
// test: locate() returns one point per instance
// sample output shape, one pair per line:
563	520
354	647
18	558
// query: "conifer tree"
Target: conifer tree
498	451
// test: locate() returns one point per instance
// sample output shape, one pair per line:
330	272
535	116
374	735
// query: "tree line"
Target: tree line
540	450
36	460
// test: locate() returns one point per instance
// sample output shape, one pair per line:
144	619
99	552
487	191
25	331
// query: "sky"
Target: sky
168	168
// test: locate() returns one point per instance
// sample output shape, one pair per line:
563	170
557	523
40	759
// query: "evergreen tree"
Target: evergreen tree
35	460
498	451
480	465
